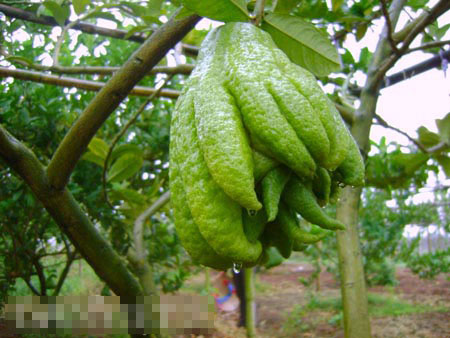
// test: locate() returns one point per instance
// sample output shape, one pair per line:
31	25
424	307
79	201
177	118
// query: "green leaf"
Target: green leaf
361	31
126	149
154	7
443	126
336	4
221	10
184	12
416	4
305	45
128	195
91	157
135	29
364	59
125	167
60	13
428	138
444	161
99	147
286	6
80	5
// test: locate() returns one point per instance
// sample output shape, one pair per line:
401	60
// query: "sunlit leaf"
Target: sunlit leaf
126	149
80	5
125	167
91	157
221	10
444	161
60	13
443	126
99	147
305	45
428	138
286	6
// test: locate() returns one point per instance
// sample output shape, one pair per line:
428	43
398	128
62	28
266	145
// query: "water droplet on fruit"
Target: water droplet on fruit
237	267
251	212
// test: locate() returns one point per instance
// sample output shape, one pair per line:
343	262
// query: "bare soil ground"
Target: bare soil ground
279	292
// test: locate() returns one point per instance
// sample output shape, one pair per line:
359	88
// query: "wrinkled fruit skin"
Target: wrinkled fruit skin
254	143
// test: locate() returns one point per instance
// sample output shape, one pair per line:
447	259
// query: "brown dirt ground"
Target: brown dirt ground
279	291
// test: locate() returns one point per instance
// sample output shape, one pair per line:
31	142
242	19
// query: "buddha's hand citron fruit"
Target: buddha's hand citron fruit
249	127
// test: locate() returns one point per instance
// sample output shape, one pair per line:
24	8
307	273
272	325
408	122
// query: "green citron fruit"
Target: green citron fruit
251	129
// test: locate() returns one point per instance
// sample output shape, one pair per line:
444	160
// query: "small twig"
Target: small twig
184	69
138	232
389	26
258	12
429	45
71	82
122	132
435	149
384	124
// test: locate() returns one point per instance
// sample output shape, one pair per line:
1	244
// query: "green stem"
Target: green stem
258	13
353	287
249	302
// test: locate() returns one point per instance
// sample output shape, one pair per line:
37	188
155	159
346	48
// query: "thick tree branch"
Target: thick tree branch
70	218
441	7
77	83
138	256
112	94
409	72
138	231
353	288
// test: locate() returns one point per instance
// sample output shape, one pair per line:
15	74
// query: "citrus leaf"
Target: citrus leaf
91	157
80	5
305	45
128	195
154	7
444	161
98	147
126	149
428	138
286	6
60	13
125	167
221	10
443	126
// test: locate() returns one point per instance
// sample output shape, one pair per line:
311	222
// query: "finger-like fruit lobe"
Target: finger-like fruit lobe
254	144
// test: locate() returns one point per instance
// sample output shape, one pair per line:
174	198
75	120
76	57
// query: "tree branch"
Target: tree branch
429	45
77	83
70	218
84	27
441	7
112	94
389	26
384	124
184	69
138	231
